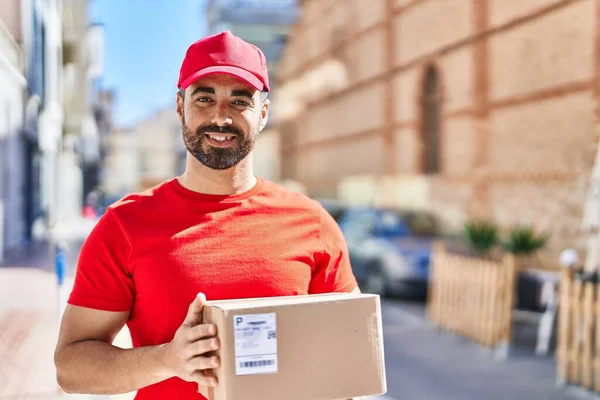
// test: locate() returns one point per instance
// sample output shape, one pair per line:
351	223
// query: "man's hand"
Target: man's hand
186	355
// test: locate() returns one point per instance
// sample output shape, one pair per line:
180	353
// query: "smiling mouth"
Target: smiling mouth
220	138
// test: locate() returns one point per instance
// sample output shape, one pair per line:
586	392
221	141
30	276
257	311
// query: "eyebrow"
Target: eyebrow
203	89
242	93
234	93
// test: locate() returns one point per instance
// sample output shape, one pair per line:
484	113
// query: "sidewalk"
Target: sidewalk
29	317
28	333
29	305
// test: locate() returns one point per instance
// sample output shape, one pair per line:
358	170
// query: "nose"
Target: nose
222	116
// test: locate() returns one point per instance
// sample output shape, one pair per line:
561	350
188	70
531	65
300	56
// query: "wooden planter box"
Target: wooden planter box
473	297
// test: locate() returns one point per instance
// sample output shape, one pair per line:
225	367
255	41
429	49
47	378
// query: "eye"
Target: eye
241	103
203	99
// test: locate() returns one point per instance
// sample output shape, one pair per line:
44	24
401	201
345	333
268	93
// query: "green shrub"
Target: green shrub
524	241
481	236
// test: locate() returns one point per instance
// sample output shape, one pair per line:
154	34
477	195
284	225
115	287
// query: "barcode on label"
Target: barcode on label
256	364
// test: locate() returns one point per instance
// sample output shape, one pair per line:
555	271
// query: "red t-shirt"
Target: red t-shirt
152	252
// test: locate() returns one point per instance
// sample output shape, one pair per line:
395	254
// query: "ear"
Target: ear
264	115
180	107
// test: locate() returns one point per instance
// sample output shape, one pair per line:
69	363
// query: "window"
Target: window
431	122
36	69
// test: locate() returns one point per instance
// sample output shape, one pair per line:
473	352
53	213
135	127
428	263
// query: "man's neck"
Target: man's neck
201	179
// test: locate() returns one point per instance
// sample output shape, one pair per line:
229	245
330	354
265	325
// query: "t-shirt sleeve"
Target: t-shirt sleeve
332	272
103	280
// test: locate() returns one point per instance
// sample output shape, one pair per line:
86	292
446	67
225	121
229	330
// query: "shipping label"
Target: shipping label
255	338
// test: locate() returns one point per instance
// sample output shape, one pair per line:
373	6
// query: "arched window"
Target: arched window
431	122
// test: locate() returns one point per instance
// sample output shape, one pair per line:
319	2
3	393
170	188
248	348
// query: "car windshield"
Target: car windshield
421	224
389	222
394	222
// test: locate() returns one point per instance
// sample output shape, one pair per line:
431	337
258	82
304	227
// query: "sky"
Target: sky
145	42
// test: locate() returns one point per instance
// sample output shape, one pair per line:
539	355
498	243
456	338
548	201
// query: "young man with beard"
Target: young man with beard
215	232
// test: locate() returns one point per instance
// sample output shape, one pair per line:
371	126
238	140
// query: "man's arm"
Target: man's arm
87	362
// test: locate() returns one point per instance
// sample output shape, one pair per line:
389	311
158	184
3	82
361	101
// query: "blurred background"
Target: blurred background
454	142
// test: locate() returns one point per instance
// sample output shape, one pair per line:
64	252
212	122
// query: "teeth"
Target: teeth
220	138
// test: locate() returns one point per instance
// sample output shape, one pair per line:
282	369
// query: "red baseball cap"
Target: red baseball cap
224	53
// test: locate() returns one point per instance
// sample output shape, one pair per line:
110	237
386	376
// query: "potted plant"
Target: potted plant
481	237
524	242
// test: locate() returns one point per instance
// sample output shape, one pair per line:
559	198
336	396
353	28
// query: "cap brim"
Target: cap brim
239	73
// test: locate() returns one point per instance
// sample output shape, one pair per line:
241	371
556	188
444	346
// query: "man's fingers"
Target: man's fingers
195	310
205	363
203	380
202	347
200	332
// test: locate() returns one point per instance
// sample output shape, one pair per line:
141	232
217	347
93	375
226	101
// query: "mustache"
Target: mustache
219	129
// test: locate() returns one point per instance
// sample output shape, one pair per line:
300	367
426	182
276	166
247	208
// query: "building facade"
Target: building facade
159	144
266	24
144	155
13	90
470	108
49	58
120	171
93	171
82	64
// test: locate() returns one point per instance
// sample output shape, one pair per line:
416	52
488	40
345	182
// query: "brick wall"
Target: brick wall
423	29
518	83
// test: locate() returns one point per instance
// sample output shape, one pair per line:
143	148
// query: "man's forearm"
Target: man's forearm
96	367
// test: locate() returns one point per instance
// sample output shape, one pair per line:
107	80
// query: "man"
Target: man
215	232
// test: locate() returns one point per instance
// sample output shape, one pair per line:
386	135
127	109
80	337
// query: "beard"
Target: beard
217	158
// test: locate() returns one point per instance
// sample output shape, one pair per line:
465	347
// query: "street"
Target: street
424	362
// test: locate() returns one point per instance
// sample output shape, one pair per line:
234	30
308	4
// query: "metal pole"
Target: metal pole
550	300
61	267
1	231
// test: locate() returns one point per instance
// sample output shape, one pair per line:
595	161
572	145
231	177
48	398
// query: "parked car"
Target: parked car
390	250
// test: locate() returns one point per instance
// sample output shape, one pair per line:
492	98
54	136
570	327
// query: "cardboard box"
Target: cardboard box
314	347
